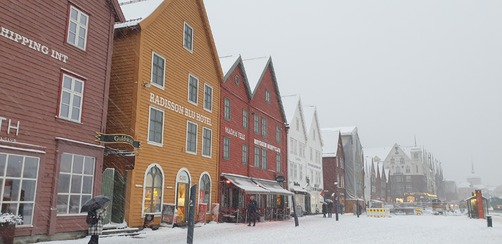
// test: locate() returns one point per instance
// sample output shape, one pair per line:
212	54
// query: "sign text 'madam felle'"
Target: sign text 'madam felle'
179	109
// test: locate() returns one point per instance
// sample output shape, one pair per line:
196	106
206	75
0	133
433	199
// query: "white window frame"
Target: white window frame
78	27
72	93
278	162
245	154
264	127
187	137
257	155
245	118
22	179
72	174
185	43
149	124
204	146
196	102
226	148
163	71
264	160
267	96
208	206
227	107
144	189
208	105
256	123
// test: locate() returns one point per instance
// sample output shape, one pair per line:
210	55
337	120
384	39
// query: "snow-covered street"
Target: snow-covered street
316	229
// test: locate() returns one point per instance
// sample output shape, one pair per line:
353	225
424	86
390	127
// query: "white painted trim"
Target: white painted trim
196	137
79	142
208	210
212	98
197	92
163	123
164	71
193	38
211	141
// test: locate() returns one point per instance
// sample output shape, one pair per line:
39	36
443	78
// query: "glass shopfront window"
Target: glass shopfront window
182	198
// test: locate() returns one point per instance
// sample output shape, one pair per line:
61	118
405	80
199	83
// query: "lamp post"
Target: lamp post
336	201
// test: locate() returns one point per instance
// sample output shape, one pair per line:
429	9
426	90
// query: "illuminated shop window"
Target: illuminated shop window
205	191
152	199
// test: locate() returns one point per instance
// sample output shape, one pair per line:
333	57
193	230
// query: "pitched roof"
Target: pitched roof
290	103
330	138
229	64
136	11
255	68
117	11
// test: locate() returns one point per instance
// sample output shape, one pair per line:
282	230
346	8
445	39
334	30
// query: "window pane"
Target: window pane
67	81
28	190
65	163
74	204
30	167
83	20
76	184
84	199
89	166
64	183
12	188
14	165
78	164
62	204
3	162
87	185
73	14
26	211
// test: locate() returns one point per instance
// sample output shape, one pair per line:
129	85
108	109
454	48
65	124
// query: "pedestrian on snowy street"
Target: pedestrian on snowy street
324	210
252	207
95	224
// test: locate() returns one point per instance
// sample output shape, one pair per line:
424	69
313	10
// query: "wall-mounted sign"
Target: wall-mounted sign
9	128
117	138
30	43
172	106
266	145
235	133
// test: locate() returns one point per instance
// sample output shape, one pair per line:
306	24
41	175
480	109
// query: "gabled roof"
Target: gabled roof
229	64
380	152
330	138
290	103
117	11
136	11
312	119
255	67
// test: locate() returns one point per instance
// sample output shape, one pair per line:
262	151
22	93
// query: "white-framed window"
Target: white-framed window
207	138
208	97
156	127
191	146
264	127
257	156
72	94
188	37
78	25
205	191
278	134
226	148
278	162
267	96
245	118
264	158
75	182
158	70
193	89
226	109
18	185
256	124
245	150
153	190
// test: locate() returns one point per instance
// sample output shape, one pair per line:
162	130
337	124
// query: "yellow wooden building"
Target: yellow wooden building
164	94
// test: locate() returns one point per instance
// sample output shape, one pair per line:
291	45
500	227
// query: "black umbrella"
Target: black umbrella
94	203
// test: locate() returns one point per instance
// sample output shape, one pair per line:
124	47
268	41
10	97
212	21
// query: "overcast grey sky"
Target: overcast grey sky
395	69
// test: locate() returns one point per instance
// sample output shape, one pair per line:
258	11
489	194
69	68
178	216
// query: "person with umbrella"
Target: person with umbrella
96	211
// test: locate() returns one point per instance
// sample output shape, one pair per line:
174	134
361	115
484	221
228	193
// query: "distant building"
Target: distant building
333	163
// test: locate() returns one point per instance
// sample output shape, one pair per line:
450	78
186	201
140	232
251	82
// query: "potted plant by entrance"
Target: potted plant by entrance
8	224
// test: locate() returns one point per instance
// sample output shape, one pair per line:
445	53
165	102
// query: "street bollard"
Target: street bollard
489	220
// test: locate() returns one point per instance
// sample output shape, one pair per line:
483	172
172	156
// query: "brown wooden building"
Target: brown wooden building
165	93
55	64
333	162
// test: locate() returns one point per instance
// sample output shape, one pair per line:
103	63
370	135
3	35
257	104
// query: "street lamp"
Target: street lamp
336	201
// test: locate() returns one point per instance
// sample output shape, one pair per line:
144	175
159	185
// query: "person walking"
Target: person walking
324	210
95	224
252	207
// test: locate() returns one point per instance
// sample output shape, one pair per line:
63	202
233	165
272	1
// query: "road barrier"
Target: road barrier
378	212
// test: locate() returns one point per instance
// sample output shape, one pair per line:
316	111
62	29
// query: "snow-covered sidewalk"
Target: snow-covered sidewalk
316	229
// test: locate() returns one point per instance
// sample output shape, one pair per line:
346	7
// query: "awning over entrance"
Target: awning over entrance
298	189
246	184
273	187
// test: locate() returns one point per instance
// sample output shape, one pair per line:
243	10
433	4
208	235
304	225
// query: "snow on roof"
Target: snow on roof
136	10
255	67
330	138
227	63
309	112
348	130
290	104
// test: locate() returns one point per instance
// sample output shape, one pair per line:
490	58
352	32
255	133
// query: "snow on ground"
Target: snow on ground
397	229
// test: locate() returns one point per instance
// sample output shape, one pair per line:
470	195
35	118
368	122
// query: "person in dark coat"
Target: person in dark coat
324	210
95	224
252	207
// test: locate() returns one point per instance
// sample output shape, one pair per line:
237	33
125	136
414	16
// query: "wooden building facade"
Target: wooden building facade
165	93
55	64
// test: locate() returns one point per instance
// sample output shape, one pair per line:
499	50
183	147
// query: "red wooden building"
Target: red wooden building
333	161
54	77
253	137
